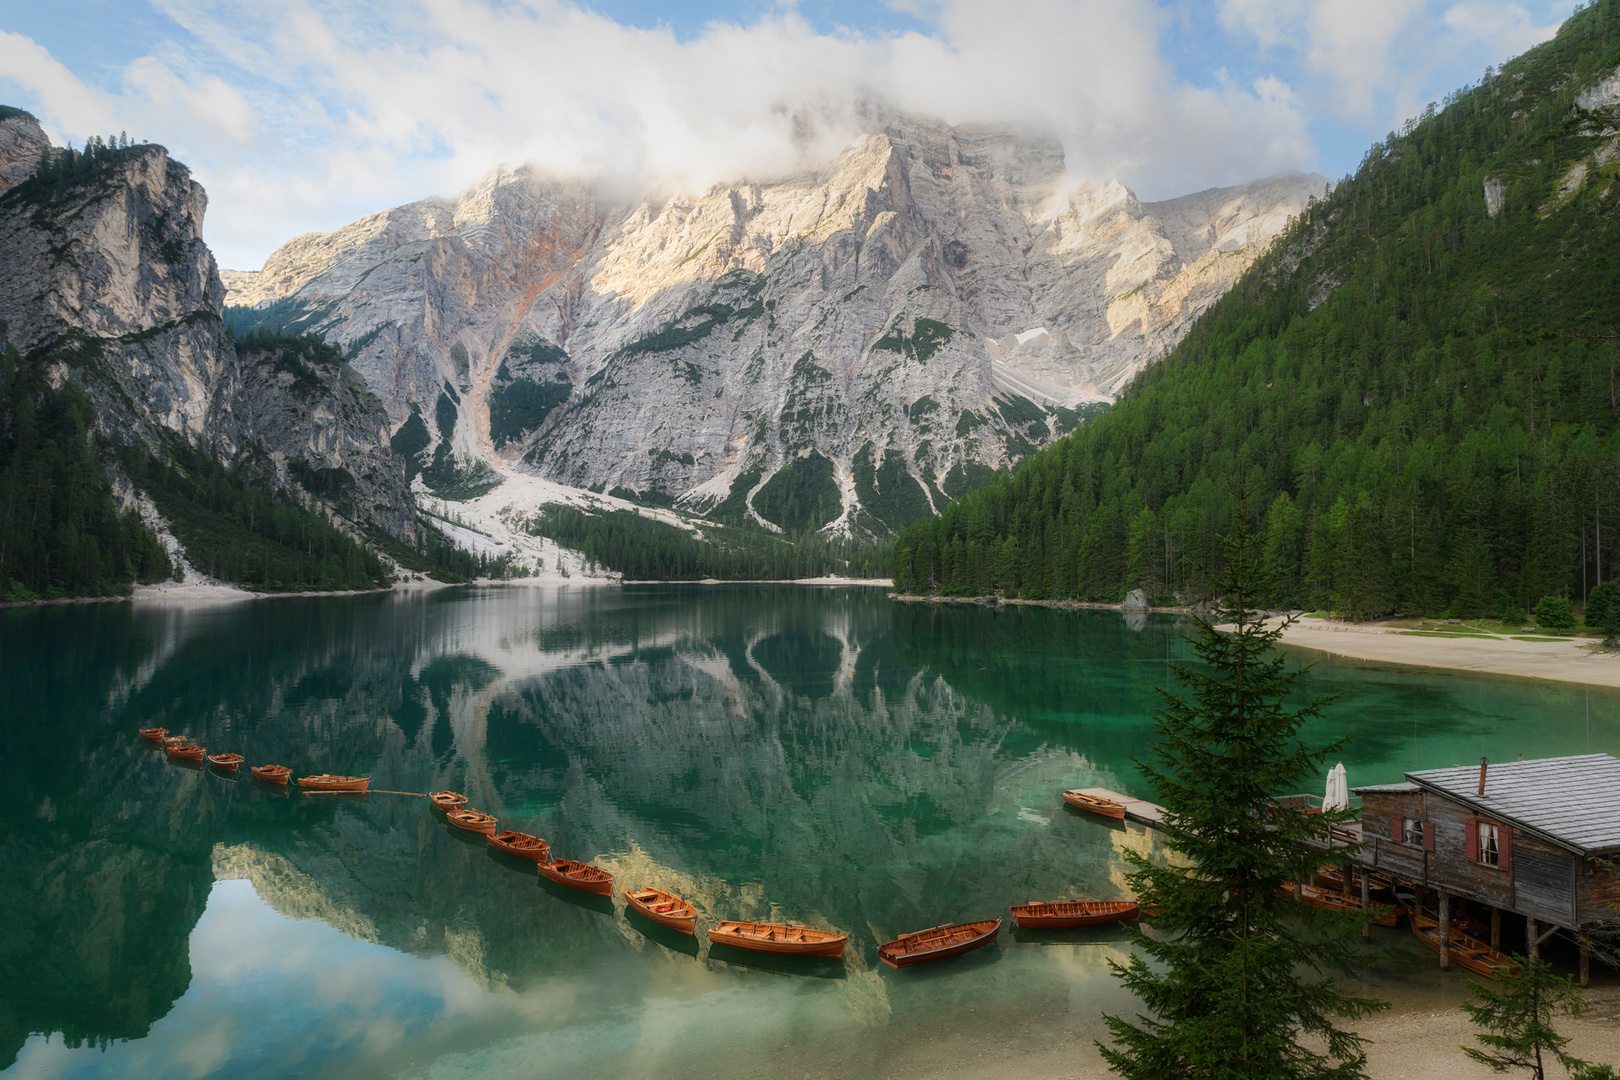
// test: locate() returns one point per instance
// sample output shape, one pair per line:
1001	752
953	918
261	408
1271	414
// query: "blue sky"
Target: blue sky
299	116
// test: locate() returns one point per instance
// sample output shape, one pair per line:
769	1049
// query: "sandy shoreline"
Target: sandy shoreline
1410	1041
1571	660
1556	660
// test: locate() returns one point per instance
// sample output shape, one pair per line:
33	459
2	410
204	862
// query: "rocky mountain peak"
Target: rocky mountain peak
22	141
929	306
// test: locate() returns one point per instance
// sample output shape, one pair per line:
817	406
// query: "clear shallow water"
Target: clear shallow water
814	755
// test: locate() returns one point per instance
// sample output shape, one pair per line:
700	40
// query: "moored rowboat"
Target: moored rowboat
1384	914
184	751
271	774
664	908
521	845
447	800
153	734
578	875
1096	804
328	782
228	762
938	943
781	938
1066	914
1471	953
473	821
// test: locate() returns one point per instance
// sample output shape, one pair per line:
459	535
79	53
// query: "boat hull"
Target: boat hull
153	734
1467	952
1092	804
521	846
228	762
576	875
475	821
679	916
967	937
185	752
1383	914
1069	914
335	783
448	801
272	774
815	943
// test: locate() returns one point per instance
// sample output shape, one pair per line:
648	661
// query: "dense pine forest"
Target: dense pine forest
643	549
60	530
1417	385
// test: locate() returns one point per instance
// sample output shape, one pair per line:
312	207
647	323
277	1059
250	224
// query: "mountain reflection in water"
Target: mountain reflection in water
811	755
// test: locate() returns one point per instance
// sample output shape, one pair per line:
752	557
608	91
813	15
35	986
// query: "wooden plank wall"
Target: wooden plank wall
1544	881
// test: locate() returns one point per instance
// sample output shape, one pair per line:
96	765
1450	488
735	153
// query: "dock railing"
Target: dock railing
1349	831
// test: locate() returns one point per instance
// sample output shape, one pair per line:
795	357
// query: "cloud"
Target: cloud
1379	61
300	116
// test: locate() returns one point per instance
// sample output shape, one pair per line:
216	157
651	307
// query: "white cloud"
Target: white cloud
299	115
1506	27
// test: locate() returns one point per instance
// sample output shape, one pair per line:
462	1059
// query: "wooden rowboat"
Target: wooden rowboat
664	908
781	938
1067	914
473	821
520	845
271	774
228	762
447	800
1096	804
328	782
578	875
184	751
1470	952
153	734
1384	914
939	943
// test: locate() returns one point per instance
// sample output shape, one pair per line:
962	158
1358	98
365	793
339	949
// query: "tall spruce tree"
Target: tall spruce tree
1238	983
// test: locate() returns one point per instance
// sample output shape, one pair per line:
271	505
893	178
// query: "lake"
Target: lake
805	754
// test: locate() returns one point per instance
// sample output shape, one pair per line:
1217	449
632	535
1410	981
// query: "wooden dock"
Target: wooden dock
1149	814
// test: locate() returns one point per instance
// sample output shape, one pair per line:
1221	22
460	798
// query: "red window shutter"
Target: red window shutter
1397	828
1471	828
1428	836
1504	848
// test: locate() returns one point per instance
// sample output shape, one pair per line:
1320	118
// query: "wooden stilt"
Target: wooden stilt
1496	928
1445	931
1344	882
1299	892
1586	962
1534	952
1366	900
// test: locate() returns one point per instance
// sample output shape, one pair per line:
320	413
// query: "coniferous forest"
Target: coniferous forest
1419	385
60	530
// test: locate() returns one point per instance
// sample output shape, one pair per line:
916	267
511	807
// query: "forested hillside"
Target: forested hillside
1419	381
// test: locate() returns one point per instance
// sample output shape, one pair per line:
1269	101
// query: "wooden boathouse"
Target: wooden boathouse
1539	839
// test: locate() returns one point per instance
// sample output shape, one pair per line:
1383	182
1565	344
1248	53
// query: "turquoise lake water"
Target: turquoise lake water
806	754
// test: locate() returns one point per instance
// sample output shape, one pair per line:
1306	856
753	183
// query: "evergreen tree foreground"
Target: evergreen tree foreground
1238	980
1518	1022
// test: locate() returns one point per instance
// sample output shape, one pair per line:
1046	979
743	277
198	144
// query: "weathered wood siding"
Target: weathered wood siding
1541	879
1598	894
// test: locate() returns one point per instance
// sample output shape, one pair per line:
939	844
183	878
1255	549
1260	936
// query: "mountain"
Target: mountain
259	461
1416	386
849	349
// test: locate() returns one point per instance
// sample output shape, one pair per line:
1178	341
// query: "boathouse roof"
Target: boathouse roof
1572	801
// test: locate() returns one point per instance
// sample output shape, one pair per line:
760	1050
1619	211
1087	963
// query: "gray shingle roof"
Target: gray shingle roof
1574	801
1392	789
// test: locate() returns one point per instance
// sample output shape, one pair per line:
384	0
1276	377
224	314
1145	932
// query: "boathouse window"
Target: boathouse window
1412	832
1489	844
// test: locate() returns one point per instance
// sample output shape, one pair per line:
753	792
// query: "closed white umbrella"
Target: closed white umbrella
1338	789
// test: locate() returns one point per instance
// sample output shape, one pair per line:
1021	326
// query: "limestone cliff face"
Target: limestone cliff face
936	301
105	278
